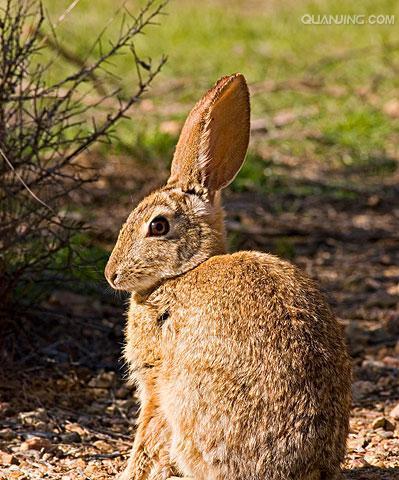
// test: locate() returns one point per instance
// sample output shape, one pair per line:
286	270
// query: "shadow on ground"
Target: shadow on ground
372	474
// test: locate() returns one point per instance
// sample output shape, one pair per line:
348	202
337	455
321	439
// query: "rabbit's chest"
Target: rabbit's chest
147	330
143	337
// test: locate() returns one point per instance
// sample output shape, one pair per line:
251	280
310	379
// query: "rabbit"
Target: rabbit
241	367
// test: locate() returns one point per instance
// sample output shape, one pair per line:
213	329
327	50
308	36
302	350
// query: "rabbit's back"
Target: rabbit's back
255	376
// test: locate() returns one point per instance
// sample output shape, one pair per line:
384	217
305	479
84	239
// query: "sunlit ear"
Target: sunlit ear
214	138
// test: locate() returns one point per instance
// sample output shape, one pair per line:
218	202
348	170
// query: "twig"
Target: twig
23	182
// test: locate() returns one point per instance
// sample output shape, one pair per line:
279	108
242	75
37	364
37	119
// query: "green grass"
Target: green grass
335	80
353	69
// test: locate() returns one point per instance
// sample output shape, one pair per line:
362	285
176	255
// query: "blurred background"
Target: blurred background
92	99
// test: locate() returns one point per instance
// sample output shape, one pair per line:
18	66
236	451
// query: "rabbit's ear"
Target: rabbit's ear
214	138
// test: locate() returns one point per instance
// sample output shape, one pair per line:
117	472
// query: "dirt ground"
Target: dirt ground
66	412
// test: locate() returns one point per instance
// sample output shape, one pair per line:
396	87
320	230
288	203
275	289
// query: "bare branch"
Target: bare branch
23	181
44	128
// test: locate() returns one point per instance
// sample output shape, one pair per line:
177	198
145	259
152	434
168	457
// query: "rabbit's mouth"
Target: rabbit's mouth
130	276
133	280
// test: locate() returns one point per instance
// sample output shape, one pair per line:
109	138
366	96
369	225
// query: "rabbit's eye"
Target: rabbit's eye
159	226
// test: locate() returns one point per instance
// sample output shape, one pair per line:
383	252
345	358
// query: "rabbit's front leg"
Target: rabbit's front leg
149	459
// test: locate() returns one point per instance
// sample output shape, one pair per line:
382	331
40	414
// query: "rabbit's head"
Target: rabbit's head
179	226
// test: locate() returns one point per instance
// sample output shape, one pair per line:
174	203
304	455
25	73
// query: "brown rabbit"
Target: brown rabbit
241	367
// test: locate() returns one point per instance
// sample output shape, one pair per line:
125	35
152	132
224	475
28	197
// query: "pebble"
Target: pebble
7	434
16	475
38	433
36	418
5	409
76	428
359	463
19	475
103	380
392	362
70	437
91	470
96	408
361	389
356	444
395	412
36	443
378	423
373	460
122	392
8	459
389	426
373	364
103	446
384	434
126	404
384	423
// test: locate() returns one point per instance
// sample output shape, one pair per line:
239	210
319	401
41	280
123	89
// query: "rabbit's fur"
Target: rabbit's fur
241	367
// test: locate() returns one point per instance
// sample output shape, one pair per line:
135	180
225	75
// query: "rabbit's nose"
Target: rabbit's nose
111	274
114	278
